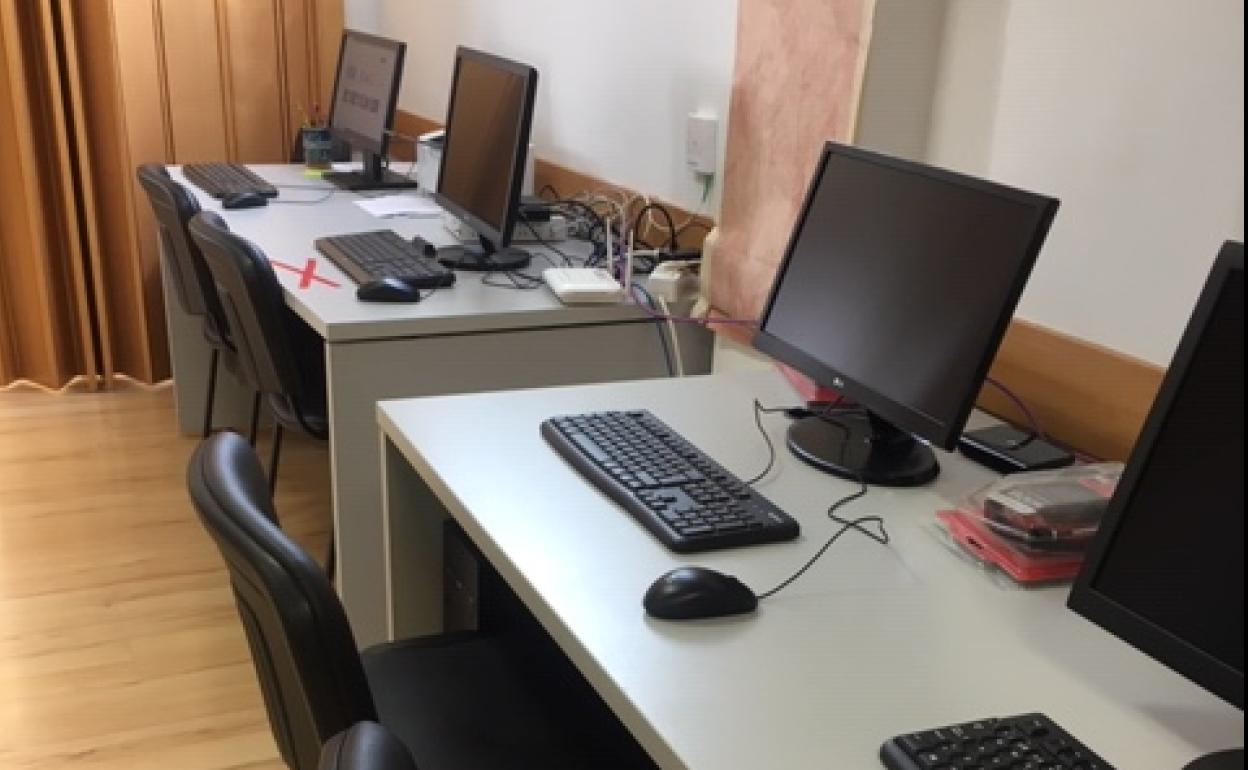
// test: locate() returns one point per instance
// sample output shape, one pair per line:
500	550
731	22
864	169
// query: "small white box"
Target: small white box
583	285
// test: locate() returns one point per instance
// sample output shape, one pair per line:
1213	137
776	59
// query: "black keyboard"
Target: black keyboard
222	179
377	254
1027	742
683	497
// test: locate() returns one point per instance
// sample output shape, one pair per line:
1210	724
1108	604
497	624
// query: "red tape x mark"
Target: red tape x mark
307	273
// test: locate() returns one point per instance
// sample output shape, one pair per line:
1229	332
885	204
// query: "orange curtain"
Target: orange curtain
796	82
89	90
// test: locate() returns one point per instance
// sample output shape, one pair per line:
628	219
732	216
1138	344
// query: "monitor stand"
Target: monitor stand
374	176
485	259
1231	759
862	447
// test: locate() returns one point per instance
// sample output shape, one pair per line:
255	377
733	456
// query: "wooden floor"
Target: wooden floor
119	642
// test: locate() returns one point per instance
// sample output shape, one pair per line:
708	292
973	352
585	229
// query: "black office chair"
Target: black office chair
193	285
278	355
366	746
457	701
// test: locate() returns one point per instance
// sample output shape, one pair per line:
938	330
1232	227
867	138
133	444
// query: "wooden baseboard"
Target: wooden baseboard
567	182
1085	395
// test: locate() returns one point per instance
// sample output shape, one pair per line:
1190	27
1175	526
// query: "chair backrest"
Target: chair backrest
366	746
310	673
261	327
174	206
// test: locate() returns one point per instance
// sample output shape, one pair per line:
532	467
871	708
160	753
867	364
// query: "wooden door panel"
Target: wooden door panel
193	73
255	86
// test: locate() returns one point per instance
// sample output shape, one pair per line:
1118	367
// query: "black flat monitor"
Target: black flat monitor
483	155
1166	570
896	287
366	89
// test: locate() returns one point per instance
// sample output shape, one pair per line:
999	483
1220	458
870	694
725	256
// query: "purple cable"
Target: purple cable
1022	405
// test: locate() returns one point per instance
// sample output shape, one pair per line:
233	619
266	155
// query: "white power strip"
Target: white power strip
675	280
583	285
554	230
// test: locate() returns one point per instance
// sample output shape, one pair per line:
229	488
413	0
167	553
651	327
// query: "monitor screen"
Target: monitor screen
898	284
1167	570
487	136
365	90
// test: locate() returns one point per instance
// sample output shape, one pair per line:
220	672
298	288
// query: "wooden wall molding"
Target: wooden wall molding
1085	395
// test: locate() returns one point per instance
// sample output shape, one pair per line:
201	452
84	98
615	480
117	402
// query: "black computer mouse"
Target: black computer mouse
387	290
244	200
426	248
686	593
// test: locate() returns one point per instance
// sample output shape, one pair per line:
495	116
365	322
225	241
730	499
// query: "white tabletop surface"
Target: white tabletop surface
874	641
286	228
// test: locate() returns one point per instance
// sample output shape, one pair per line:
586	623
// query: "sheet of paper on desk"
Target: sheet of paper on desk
400	206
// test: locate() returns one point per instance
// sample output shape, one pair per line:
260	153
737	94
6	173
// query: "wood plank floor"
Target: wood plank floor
119	642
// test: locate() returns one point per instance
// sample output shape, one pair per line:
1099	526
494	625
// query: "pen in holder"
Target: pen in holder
318	147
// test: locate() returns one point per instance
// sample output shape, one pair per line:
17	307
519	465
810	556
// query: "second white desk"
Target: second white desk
468	338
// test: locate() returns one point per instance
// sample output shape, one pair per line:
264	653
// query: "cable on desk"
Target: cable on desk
759	411
1032	420
517	279
846	524
310	202
671	223
567	260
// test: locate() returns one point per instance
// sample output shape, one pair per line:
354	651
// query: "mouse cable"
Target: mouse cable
846	524
759	411
306	202
793	412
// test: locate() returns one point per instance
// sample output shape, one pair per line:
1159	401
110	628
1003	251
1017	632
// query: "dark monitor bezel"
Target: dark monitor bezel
375	145
940	433
500	238
1160	643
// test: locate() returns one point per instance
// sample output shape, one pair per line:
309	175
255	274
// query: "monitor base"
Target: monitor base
864	448
482	261
1231	759
359	181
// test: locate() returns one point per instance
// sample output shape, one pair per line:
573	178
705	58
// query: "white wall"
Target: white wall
616	79
898	87
362	15
1129	111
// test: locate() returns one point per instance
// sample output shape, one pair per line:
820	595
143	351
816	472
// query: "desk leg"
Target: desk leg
360	374
412	531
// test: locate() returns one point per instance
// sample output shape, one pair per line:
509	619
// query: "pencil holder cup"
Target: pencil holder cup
318	146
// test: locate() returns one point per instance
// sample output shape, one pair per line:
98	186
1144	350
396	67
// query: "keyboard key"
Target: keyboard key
1027	742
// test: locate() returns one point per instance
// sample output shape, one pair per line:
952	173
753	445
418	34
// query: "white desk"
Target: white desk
871	643
467	338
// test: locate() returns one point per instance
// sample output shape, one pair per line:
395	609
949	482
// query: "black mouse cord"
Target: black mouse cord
827	412
329	193
846	524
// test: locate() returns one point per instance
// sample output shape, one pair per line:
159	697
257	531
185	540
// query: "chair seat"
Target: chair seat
467	701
